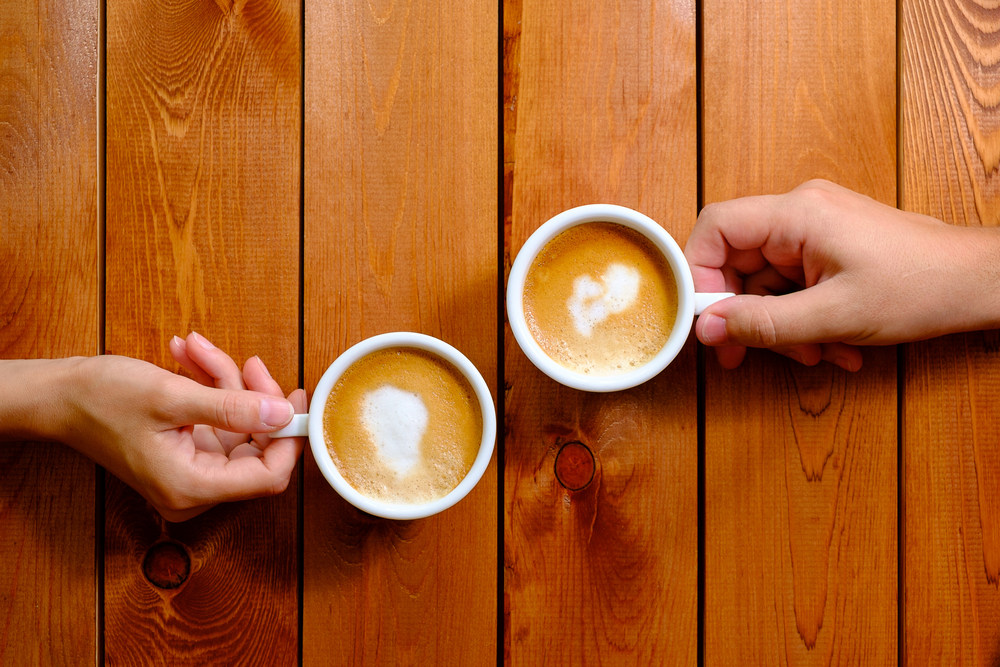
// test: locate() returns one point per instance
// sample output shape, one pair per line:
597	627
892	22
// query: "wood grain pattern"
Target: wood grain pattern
401	234
800	509
607	575
951	150
238	605
951	89
951	468
48	308
203	113
511	78
511	74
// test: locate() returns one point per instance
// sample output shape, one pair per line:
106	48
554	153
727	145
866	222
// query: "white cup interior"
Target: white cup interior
317	442
663	242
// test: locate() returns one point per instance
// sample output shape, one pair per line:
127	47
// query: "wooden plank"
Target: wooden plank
800	463
48	308
401	234
511	75
606	113
951	461
203	114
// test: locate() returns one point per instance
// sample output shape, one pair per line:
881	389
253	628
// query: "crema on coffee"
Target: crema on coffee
403	426
600	299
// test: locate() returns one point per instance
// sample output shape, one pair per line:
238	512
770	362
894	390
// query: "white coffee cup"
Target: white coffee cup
689	302
311	425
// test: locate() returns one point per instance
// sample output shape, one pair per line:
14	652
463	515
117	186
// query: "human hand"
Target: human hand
185	445
823	269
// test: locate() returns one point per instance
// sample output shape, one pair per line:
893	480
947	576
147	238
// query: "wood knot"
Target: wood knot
166	565
575	466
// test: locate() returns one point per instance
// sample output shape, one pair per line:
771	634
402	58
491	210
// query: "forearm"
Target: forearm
32	397
918	278
984	252
961	290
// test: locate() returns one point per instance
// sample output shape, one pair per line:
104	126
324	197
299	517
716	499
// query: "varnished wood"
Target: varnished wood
606	112
606	574
511	74
203	234
951	473
48	308
951	149
800	463
511	77
400	234
236	606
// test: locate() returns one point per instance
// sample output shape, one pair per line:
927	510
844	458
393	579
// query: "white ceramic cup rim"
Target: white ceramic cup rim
663	242
401	511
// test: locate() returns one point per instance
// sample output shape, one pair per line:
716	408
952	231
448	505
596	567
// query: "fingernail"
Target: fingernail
202	341
263	366
276	411
795	356
713	331
178	341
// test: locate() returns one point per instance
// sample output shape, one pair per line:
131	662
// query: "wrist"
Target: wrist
978	305
33	394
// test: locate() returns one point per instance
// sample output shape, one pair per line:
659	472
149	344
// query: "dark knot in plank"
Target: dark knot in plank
166	565
575	466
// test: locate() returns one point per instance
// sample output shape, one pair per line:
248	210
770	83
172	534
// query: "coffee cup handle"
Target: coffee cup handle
297	428
703	300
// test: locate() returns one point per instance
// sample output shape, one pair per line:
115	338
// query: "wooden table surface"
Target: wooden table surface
776	514
163	169
289	178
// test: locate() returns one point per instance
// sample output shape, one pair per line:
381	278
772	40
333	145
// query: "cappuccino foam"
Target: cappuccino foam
592	302
600	299
403	426
396	420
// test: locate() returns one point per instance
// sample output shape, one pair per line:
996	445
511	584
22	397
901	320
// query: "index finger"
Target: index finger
725	230
216	363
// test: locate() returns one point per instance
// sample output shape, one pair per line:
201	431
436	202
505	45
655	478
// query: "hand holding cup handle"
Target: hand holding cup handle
297	428
702	300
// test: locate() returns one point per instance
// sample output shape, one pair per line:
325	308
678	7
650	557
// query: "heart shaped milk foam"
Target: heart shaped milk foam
593	302
396	421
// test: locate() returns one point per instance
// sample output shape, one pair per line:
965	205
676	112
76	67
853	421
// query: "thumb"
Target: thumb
806	316
238	411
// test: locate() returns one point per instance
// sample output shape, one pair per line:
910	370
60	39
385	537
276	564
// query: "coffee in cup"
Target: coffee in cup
600	299
402	426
